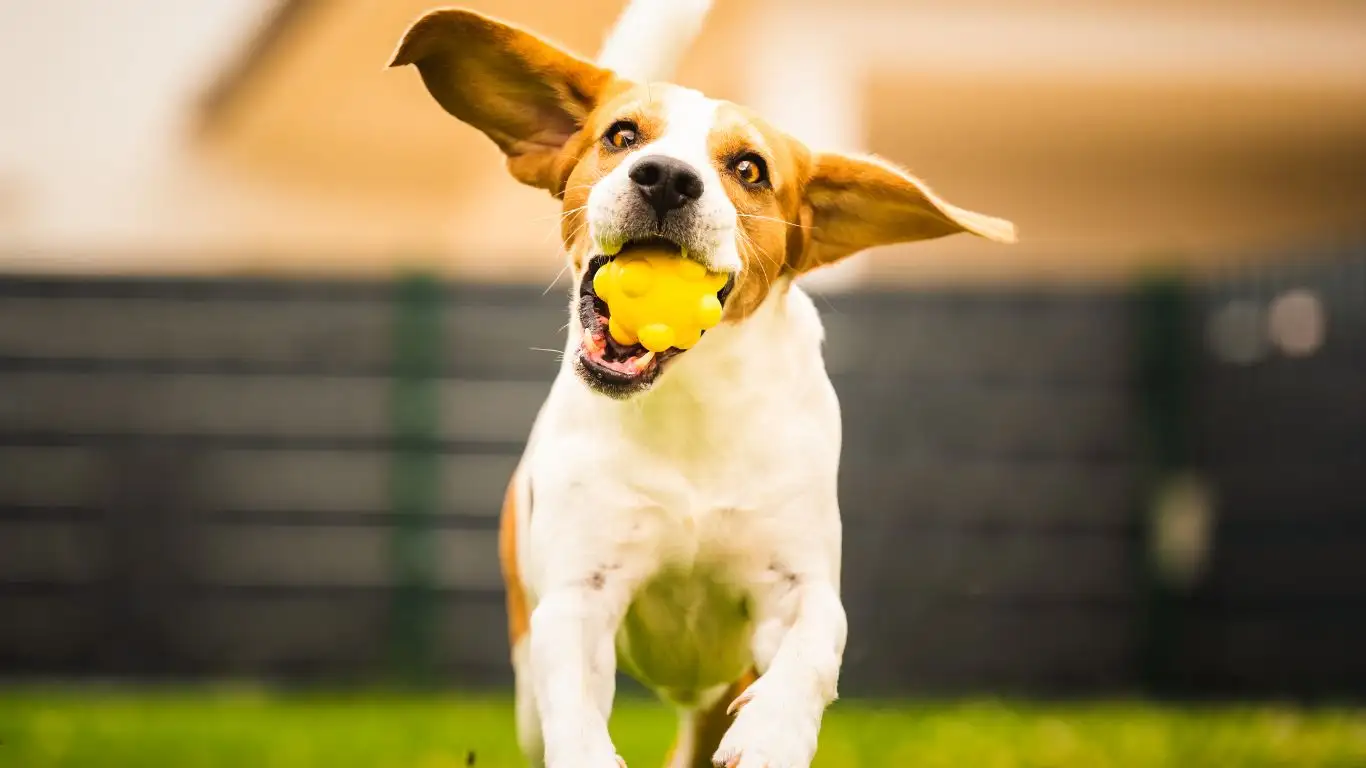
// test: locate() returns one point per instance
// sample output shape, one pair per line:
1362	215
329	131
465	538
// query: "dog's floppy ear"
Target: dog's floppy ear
856	203
526	94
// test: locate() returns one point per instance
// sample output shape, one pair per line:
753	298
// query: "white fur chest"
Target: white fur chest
712	469
702	499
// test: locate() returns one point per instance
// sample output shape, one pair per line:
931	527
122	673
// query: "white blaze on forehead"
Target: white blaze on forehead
688	119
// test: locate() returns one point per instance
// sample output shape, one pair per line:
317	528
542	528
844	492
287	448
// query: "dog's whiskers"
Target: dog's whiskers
772	218
562	214
556	226
750	247
573	233
556	279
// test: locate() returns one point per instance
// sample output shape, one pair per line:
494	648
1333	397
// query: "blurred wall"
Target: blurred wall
1118	136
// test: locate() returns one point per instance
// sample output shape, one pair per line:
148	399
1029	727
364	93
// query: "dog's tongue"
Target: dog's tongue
597	346
631	365
638	364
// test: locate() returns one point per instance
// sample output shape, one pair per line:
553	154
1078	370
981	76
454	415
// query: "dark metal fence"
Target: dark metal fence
301	481
1277	424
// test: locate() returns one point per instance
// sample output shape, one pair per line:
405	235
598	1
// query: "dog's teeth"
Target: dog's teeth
644	360
590	341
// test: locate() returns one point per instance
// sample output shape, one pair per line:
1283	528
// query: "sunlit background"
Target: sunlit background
273	328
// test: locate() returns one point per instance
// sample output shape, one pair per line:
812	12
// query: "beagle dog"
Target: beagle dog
675	515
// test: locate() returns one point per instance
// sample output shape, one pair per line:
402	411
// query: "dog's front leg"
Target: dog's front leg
573	662
780	714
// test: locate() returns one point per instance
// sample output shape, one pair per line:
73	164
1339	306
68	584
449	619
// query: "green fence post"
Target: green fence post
1163	331
415	479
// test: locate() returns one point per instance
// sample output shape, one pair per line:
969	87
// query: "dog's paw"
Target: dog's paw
774	729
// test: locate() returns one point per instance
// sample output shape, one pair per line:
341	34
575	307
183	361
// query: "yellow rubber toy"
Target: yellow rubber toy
658	299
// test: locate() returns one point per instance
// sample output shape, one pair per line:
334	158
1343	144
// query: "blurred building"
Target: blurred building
1116	136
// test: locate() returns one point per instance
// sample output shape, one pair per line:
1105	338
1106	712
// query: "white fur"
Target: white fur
528	721
692	530
651	36
724	473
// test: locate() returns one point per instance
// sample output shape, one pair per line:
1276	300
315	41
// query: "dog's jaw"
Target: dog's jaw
616	215
604	365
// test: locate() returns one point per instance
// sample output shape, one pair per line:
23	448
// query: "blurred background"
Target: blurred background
273	328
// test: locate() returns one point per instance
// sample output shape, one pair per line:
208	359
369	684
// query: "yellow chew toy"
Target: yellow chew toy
658	299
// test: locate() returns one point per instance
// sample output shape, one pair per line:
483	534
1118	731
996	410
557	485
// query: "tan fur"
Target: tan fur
709	725
526	94
519	618
858	203
770	218
547	108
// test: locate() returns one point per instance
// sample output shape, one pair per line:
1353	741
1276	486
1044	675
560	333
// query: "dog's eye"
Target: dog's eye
621	135
751	170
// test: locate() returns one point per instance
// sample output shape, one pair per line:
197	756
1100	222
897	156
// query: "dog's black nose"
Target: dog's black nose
666	184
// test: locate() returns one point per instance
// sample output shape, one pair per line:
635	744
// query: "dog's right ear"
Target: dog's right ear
526	94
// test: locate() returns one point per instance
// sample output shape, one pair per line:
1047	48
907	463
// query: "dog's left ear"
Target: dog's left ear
856	203
525	93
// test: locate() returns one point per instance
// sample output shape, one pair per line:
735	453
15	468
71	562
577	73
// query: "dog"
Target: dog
675	515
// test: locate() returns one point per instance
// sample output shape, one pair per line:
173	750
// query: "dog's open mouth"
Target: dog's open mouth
615	368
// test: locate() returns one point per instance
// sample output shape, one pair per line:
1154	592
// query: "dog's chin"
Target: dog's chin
607	366
616	384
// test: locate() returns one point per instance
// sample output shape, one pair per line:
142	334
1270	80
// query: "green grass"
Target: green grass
120	729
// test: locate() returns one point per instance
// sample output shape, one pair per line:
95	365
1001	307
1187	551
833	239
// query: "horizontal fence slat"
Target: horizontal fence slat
354	481
49	476
194	404
1327	565
198	404
44	633
510	338
338	556
930	490
51	552
190	332
1250	654
1000	567
958	646
1050	341
288	635
986	421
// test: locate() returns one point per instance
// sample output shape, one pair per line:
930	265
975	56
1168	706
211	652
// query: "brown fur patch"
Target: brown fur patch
519	618
770	218
710	724
547	109
525	93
